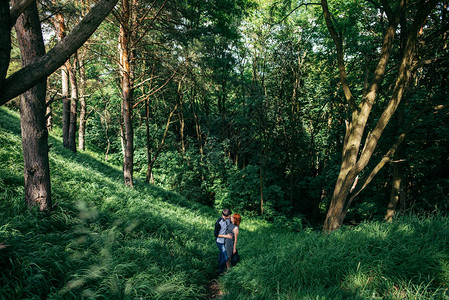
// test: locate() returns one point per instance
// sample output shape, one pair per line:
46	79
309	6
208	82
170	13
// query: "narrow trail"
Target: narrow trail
214	291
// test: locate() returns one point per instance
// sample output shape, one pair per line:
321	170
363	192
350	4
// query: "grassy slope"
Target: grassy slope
107	241
102	240
408	259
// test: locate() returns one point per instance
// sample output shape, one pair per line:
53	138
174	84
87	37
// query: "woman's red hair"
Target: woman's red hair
237	219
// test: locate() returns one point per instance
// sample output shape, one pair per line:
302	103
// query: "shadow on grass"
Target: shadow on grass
102	239
406	259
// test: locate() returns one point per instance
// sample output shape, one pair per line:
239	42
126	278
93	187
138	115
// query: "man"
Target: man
223	222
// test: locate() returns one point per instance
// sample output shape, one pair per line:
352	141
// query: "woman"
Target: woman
232	232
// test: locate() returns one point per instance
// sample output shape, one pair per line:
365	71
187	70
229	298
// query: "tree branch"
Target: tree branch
338	41
28	76
293	10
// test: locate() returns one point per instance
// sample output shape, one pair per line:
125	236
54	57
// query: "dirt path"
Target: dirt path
214	290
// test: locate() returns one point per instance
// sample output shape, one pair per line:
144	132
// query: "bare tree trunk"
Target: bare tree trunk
73	105
83	108
394	194
82	87
59	24
32	114
127	92
149	177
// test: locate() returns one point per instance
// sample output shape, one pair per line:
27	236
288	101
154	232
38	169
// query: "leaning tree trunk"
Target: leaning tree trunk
354	162
32	114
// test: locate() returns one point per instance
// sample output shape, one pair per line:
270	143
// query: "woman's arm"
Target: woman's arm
227	236
236	234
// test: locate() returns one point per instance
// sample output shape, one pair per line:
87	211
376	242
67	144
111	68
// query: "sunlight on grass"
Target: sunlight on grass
104	240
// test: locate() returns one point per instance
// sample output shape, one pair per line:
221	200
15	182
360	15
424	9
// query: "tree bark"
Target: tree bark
127	92
149	177
5	40
32	114
59	23
395	193
82	88
17	9
65	106
73	105
82	100
33	73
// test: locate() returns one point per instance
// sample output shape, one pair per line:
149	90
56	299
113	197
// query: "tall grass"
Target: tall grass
408	259
102	240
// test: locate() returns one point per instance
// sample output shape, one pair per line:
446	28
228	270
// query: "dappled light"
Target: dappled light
224	149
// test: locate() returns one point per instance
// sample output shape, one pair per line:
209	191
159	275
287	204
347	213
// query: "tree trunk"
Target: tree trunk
82	89
127	92
262	182
395	193
199	134
65	107
73	105
59	23
182	123
32	114
83	105
181	130
149	177
354	162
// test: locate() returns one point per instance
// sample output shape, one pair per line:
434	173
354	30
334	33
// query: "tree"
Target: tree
353	161
32	114
38	65
28	76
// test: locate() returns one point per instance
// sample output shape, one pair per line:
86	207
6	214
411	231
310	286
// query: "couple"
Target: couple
227	238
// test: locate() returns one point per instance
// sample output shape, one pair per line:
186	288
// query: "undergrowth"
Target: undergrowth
103	240
408	259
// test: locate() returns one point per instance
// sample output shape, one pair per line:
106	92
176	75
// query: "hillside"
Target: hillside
103	240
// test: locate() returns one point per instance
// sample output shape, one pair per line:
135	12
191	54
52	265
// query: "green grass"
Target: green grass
105	241
408	259
102	240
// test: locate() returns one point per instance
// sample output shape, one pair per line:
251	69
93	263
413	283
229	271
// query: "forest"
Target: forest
127	126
